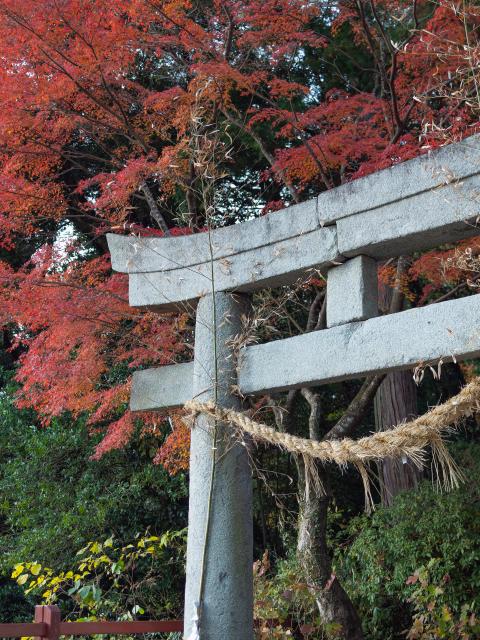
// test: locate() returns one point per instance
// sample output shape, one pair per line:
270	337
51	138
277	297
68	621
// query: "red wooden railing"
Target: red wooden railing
48	625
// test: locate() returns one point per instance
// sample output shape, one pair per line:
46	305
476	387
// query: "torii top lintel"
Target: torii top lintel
418	204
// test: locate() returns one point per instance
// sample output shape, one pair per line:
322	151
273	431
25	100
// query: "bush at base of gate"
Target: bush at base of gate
284	605
108	581
412	570
377	554
286	608
433	618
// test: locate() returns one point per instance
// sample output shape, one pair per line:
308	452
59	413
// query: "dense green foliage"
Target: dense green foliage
54	498
413	567
381	552
111	581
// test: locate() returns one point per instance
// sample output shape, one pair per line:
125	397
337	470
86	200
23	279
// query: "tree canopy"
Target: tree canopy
103	104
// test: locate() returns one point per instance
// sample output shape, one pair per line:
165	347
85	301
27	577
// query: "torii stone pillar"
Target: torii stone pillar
227	604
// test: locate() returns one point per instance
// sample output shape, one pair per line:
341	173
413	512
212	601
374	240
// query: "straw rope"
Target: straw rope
407	440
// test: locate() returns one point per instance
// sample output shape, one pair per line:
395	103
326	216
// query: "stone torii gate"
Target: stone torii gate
417	205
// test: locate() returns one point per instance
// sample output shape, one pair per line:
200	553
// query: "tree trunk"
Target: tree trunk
396	399
334	604
396	402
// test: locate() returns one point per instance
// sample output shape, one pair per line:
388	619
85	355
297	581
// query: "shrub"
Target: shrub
111	581
381	551
433	617
54	498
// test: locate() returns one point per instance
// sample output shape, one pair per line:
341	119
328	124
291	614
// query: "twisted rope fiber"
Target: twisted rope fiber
407	440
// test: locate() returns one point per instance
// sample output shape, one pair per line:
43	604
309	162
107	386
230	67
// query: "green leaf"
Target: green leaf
84	592
96	593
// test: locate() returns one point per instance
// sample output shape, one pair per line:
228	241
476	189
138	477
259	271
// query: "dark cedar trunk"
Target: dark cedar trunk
334	604
396	402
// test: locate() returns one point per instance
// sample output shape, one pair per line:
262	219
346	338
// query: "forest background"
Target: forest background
152	117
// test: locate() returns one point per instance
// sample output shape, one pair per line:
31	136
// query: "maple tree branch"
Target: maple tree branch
67	154
59	67
46	283
368	35
385	37
325	178
154	210
315	310
267	155
229	36
106	86
96	122
132	135
415	14
22	23
452	292
400	122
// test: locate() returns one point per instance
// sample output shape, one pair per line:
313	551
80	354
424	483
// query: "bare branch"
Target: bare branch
315	417
267	155
356	410
154	210
284	415
315	310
